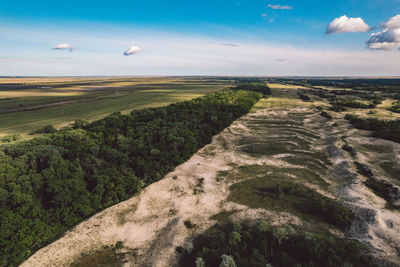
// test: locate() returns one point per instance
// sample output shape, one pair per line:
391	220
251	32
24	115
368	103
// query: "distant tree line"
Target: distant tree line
352	103
260	87
53	182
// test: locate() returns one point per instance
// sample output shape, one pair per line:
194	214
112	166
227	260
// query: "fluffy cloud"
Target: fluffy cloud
64	46
280	7
387	39
346	24
393	22
133	50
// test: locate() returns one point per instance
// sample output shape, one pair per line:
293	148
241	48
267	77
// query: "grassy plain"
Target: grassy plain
30	103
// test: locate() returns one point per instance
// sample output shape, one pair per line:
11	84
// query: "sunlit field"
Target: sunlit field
31	103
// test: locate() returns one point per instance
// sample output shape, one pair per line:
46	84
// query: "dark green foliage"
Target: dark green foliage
304	97
383	189
326	115
10	138
349	149
79	123
380	128
395	107
337	108
363	169
259	87
260	245
52	182
189	224
351	103
380	187
44	130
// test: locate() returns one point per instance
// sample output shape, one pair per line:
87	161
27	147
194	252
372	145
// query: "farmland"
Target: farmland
27	104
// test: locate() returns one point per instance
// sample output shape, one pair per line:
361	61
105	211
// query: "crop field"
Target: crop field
27	104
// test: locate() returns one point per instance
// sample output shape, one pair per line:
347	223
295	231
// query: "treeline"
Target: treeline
389	130
52	182
262	245
383	85
352	103
260	87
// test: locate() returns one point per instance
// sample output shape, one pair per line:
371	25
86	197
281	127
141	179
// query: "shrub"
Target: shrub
44	130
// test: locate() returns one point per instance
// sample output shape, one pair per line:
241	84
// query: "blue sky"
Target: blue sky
191	37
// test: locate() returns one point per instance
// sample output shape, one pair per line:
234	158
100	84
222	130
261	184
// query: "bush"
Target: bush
304	97
10	138
326	115
44	130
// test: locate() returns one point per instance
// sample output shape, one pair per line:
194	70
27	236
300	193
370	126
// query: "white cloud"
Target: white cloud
387	39
133	50
393	22
346	24
63	46
280	7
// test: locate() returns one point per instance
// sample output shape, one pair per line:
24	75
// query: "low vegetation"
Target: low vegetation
389	130
280	194
259	244
350	103
10	138
304	96
52	182
395	107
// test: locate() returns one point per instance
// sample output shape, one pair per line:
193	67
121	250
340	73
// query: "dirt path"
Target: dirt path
146	229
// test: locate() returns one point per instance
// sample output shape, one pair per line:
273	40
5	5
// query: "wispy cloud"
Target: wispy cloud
133	50
230	44
387	39
63	46
281	7
346	24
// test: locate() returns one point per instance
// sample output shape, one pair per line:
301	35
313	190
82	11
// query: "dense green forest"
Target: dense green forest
262	245
53	182
389	130
259	87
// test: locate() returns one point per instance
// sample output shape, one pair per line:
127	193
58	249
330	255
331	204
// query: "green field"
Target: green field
28	104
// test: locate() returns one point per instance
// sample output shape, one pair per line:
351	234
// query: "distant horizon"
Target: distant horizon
216	76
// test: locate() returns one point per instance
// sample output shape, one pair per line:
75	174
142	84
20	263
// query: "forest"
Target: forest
53	182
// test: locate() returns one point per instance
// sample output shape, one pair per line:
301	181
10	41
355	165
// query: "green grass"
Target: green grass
89	104
278	193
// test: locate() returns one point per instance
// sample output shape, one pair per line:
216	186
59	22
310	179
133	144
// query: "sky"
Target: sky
219	37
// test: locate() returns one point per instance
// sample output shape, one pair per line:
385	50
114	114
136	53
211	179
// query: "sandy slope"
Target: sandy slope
151	224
